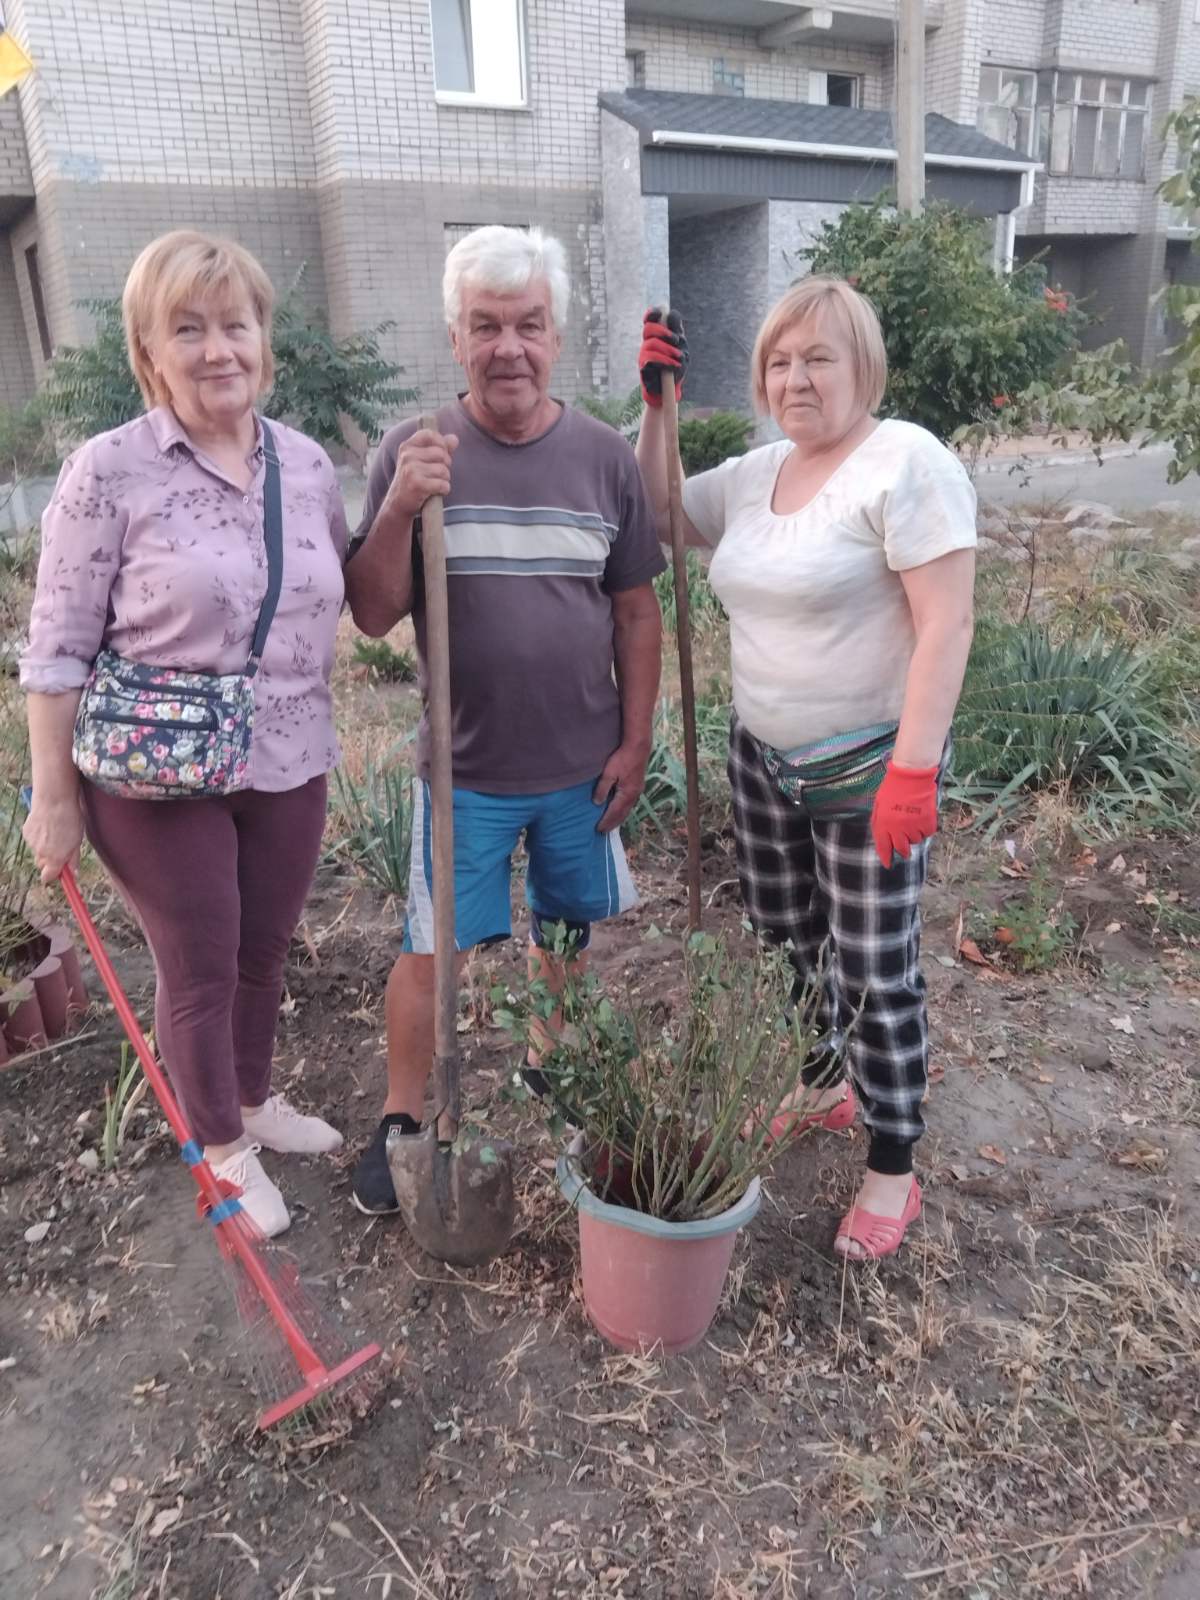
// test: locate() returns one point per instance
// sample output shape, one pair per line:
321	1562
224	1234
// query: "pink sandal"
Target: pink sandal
878	1236
836	1117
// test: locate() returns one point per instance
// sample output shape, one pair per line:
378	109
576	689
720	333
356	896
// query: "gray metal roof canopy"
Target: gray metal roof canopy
701	144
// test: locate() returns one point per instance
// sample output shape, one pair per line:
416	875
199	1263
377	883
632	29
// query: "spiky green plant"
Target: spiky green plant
1077	714
706	613
373	823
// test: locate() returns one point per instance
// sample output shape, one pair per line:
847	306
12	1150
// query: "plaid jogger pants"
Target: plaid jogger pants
808	881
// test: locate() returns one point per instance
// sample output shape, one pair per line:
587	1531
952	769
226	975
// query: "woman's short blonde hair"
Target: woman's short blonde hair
180	268
854	316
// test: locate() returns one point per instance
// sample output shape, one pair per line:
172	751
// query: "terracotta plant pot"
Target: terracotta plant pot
40	1006
62	945
22	1017
646	1282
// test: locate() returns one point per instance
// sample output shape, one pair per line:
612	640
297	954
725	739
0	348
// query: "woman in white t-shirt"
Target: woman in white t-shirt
844	555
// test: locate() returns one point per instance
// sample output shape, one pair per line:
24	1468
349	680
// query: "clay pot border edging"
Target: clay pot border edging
40	1008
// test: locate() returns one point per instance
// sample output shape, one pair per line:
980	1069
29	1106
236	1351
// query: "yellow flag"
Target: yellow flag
14	63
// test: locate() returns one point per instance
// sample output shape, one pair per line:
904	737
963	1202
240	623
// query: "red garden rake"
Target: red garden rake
284	1328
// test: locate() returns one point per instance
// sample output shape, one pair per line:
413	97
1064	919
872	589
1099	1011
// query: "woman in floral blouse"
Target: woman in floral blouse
153	547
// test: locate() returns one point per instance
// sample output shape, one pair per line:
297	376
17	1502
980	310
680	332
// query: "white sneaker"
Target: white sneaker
261	1200
279	1126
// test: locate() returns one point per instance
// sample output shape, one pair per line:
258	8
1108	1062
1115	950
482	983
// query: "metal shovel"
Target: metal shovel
458	1202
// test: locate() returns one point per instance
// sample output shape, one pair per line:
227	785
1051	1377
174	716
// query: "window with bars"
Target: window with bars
479	51
1007	110
452	232
1092	126
727	79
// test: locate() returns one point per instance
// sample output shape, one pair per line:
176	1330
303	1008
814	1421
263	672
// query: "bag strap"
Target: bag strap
273	536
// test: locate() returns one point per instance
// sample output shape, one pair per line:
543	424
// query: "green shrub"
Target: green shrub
319	379
622	412
1041	931
91	388
961	339
706	442
27	447
382	661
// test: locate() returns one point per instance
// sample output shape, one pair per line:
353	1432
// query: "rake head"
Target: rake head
310	1380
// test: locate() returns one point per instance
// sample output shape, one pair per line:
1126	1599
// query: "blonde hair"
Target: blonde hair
854	316
175	269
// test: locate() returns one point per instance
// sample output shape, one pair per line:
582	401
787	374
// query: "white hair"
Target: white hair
506	260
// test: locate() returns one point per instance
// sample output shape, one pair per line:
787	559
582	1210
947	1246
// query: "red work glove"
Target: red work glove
905	810
663	345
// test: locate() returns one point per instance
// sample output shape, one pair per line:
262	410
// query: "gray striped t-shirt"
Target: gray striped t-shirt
538	537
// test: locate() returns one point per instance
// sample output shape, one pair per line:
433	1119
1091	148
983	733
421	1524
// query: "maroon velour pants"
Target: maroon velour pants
218	886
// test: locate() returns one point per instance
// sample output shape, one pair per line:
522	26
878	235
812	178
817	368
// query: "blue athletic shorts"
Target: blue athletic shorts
575	875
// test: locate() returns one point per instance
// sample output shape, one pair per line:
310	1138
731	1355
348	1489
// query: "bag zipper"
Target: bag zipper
154	722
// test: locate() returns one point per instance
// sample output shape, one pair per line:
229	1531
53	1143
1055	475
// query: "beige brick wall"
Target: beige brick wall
16	365
394	168
15	176
680	56
147	91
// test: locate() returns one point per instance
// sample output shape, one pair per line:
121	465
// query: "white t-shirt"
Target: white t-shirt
821	634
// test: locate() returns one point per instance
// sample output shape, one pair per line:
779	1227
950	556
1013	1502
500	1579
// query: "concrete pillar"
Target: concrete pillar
637	271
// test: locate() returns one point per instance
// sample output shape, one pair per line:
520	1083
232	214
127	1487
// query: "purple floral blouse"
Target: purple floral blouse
149	549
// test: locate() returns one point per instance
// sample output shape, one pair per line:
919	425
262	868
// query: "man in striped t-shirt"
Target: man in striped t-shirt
555	639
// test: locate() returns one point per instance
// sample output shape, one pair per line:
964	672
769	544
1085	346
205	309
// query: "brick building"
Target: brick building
682	149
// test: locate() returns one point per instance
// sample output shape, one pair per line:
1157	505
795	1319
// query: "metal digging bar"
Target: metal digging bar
457	1199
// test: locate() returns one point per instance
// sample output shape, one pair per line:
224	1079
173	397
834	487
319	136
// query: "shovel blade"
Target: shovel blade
458	1204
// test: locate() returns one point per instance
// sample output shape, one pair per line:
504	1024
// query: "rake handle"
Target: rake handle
683	643
307	1360
441	789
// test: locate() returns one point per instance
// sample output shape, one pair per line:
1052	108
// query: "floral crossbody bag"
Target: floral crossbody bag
154	733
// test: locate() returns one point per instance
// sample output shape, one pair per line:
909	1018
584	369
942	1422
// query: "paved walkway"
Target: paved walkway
1128	479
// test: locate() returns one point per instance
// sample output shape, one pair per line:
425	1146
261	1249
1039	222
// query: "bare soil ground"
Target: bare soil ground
1011	1406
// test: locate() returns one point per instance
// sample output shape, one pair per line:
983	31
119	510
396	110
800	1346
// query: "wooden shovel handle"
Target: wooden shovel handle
441	787
683	642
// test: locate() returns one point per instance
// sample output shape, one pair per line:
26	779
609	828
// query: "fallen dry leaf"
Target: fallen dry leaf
1121	1024
1144	1156
959	1172
1005	936
1112	927
1117	865
164	1520
1085	858
971	952
937	1072
993	1152
1015	869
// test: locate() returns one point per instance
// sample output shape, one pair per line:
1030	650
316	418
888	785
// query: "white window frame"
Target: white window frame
818	85
471	97
1058	121
1013	73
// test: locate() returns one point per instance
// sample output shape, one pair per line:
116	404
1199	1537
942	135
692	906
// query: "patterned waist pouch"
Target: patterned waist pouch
838	776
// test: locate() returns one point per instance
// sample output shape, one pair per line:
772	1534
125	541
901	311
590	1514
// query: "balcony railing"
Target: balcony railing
779	23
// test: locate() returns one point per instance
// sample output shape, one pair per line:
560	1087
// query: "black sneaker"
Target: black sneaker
371	1186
